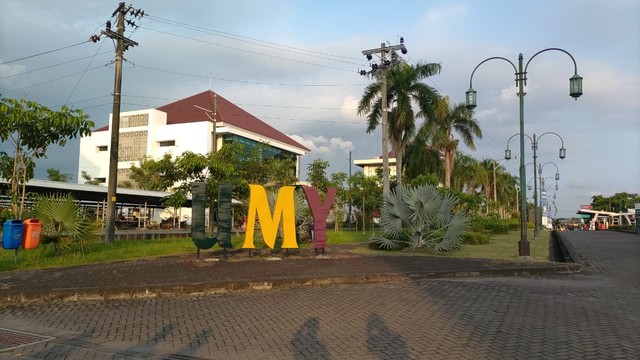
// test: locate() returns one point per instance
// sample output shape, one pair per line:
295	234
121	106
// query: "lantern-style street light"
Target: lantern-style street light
562	153
575	90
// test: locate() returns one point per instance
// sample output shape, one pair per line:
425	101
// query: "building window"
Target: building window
103	148
167	143
100	180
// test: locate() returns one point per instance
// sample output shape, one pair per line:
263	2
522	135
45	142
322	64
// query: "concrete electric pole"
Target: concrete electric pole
122	44
383	52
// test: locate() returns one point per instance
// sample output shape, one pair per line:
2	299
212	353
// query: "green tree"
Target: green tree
57	175
619	202
317	175
422	159
339	182
404	89
440	128
468	176
365	193
155	175
31	128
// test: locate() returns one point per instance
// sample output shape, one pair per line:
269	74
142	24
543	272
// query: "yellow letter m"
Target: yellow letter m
259	204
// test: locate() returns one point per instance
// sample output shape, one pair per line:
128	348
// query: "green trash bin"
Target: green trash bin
12	234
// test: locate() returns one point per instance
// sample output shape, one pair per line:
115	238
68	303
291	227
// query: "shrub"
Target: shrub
421	217
495	226
475	238
64	223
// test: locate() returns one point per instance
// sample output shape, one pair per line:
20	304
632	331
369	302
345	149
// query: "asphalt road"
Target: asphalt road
593	315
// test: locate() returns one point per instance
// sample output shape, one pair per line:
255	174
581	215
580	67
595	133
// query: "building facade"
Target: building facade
199	124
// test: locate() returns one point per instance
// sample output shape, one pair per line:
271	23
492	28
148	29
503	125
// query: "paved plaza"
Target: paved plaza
593	314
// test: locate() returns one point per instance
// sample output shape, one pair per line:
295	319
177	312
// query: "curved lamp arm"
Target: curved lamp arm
471	97
507	152
563	152
575	82
552	163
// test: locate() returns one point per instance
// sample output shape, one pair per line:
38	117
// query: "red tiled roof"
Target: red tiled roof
185	111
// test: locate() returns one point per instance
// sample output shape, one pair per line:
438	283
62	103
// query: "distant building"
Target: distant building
184	125
371	166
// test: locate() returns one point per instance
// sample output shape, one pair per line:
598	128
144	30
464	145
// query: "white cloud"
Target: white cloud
320	145
348	109
7	72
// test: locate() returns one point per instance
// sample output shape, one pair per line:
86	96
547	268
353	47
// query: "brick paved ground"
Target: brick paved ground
586	316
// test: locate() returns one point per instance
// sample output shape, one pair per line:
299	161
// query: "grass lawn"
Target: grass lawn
503	247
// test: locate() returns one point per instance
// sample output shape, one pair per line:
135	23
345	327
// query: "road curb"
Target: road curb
223	287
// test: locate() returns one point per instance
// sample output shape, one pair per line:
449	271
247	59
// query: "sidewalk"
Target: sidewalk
211	273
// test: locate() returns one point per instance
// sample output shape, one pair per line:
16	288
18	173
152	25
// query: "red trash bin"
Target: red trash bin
31	233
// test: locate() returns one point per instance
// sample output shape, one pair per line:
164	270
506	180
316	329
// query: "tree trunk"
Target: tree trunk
448	166
399	154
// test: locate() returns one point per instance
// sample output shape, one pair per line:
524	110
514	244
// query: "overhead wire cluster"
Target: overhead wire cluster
96	37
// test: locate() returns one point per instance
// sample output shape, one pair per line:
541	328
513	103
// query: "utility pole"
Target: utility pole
383	51
349	192
122	44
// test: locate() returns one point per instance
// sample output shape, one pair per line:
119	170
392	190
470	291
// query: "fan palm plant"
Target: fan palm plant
421	217
64	223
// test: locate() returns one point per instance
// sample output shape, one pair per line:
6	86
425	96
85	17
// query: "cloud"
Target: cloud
7	71
348	109
320	145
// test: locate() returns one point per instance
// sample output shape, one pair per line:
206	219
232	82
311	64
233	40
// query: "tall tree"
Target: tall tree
468	176
31	128
422	159
440	128
404	90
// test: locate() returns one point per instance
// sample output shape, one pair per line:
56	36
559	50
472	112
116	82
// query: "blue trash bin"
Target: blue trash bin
12	234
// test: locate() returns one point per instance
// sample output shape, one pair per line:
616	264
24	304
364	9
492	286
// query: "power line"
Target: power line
52	66
253	41
44	53
310	120
247	51
84	72
241	104
56	79
239	81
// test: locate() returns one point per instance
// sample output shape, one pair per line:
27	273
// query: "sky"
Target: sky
295	65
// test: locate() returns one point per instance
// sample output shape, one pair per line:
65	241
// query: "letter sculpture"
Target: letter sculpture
223	235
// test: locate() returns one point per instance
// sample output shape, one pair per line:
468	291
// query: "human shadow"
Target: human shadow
384	342
305	342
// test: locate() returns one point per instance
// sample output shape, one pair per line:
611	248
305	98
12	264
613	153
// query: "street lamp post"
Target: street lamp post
575	90
562	153
543	190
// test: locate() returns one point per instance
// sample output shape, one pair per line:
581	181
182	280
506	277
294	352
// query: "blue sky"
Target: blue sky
276	60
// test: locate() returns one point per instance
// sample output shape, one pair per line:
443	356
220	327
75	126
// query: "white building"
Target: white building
178	127
370	166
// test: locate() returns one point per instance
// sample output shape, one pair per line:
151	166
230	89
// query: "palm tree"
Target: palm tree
440	128
468	175
404	89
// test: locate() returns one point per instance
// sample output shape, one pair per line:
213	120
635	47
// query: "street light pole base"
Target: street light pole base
524	248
